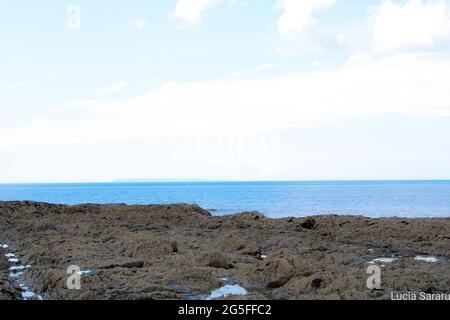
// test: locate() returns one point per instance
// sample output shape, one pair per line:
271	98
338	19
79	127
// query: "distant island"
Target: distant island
161	180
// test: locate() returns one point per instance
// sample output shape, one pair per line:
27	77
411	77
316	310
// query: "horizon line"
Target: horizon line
168	181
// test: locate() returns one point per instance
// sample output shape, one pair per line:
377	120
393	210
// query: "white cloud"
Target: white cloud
252	72
403	85
340	39
18	84
284	51
140	23
297	15
316	63
241	3
191	11
414	24
11	85
114	88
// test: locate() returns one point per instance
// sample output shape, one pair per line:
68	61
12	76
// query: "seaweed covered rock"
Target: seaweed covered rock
281	266
214	259
232	242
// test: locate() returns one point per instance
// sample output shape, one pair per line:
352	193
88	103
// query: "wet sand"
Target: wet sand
182	252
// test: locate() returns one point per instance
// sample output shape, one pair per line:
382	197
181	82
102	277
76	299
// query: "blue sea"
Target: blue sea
275	199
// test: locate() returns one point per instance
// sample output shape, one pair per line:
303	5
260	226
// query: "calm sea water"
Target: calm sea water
275	199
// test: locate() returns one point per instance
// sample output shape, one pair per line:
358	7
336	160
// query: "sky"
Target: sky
94	91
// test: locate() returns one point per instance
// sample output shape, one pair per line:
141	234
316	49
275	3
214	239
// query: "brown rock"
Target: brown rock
234	243
281	266
7	290
309	223
147	246
214	259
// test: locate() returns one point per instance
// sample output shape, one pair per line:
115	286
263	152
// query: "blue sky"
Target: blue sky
224	89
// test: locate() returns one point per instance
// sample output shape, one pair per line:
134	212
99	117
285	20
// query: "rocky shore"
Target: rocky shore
183	252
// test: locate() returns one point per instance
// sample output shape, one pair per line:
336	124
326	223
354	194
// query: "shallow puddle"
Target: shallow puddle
383	260
16	273
84	272
428	259
27	294
15	268
228	290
